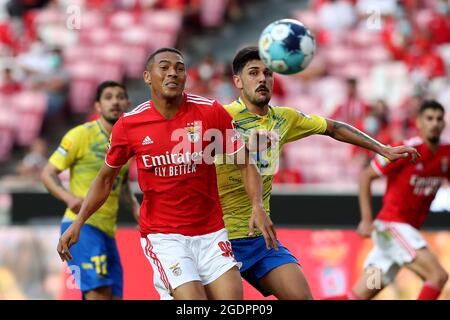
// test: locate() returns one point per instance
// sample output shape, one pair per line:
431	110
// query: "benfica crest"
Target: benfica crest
194	130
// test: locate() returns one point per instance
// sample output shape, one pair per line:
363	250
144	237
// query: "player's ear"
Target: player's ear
146	76
237	81
97	107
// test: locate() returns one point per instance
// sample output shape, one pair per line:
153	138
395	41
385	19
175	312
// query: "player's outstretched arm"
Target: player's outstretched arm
50	179
365	227
96	196
346	133
253	186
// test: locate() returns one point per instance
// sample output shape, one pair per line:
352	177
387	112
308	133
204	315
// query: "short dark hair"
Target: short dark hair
243	56
430	104
108	84
151	57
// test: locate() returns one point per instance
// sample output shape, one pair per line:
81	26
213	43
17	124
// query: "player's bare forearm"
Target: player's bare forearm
51	181
254	187
252	180
97	194
129	200
365	193
346	133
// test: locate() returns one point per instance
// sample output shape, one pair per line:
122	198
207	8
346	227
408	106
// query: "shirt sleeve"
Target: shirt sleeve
382	166
232	141
119	150
303	125
69	149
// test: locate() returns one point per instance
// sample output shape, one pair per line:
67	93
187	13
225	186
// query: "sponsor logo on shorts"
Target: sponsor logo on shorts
176	270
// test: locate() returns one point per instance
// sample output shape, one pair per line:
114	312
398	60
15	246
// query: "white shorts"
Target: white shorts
177	259
395	244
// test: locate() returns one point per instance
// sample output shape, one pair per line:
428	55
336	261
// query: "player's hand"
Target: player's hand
74	203
365	228
395	153
262	221
261	140
69	238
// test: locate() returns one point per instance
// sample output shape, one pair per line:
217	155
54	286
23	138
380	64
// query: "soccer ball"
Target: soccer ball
286	46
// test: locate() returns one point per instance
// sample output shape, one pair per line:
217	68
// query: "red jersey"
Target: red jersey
411	187
176	172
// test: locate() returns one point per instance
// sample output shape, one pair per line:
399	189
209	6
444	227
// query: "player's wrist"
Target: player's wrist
257	205
382	150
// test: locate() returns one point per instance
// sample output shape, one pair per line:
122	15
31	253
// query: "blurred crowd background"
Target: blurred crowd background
375	62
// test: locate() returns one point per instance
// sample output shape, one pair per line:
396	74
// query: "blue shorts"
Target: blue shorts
257	261
96	256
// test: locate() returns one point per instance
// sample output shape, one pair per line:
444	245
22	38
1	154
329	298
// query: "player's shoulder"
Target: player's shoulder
445	145
234	108
291	113
81	130
199	101
284	110
137	111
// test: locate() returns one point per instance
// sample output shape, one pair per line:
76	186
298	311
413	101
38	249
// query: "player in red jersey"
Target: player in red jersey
174	138
411	188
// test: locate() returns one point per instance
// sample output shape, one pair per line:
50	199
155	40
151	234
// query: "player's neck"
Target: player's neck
106	126
433	146
260	111
167	107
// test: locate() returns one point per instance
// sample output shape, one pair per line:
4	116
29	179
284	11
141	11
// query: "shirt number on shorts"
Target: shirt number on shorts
225	246
100	264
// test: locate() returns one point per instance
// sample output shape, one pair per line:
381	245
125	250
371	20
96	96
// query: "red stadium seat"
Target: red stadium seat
6	133
121	20
92	18
163	20
307	17
82	85
110	61
212	13
136	43
30	107
97	35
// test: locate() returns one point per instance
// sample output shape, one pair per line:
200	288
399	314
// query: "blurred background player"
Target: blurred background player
82	151
182	229
272	271
411	188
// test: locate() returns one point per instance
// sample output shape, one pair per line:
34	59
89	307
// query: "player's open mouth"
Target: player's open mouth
171	85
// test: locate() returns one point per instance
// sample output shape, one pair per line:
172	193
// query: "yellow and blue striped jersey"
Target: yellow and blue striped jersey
290	125
82	150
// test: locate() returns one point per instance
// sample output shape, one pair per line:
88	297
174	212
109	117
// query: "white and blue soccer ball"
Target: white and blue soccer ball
286	46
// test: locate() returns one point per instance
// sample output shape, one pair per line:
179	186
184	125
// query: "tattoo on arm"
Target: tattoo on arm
358	138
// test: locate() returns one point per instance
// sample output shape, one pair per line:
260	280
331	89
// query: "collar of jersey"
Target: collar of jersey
102	129
269	111
158	116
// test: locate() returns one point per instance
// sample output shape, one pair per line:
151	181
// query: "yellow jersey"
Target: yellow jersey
82	150
290	125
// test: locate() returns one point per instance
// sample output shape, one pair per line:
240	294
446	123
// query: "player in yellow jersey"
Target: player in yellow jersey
272	271
82	151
